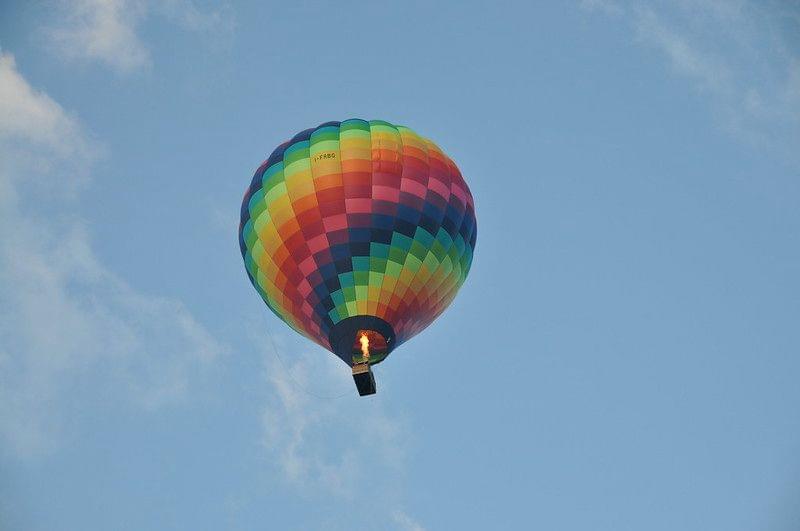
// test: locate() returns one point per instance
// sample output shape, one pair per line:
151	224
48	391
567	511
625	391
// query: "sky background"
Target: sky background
625	354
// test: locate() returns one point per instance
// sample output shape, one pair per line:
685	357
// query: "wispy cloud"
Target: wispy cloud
406	523
710	73
189	16
319	442
107	31
609	7
743	56
333	443
65	319
36	127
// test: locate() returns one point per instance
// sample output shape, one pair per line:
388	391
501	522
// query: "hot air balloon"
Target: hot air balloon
358	235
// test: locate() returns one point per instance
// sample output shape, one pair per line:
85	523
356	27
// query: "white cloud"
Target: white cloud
332	443
709	72
189	16
609	7
103	30
406	523
108	30
35	126
741	55
65	318
323	442
31	115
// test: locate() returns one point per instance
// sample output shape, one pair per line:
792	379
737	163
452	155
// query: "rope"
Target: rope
297	384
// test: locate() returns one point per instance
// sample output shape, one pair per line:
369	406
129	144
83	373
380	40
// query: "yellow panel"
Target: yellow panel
300	185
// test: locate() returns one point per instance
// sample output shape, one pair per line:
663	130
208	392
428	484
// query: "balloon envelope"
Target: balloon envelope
358	234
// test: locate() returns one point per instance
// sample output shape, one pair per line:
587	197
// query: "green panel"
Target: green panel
377	264
362	292
379	250
337	297
347	279
413	263
349	126
418	250
295	152
393	269
360	263
401	241
276	191
431	262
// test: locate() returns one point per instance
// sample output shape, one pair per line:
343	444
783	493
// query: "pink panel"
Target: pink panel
358	206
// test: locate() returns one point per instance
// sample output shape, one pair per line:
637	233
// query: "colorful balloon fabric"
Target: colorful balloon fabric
358	227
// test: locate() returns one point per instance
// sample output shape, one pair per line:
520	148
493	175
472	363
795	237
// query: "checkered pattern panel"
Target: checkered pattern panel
357	218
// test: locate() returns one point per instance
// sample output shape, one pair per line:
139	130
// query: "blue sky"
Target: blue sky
623	355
